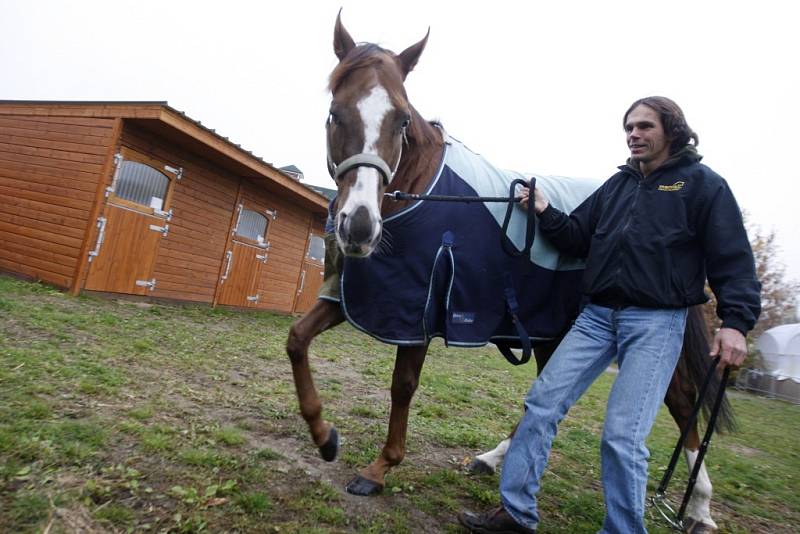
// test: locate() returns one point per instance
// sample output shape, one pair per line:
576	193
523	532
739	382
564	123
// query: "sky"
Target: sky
533	86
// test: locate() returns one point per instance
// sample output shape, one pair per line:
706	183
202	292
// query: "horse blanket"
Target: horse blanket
442	270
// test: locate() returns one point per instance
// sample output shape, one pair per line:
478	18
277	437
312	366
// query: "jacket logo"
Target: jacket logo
674	187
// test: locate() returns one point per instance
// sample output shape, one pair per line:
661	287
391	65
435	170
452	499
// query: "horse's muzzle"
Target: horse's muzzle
358	234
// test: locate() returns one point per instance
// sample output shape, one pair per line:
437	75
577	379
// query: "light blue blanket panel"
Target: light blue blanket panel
562	192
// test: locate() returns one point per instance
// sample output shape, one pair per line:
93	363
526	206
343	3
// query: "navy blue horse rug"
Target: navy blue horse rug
443	272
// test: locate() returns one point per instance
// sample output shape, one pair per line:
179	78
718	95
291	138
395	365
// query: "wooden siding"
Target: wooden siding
49	171
190	256
277	284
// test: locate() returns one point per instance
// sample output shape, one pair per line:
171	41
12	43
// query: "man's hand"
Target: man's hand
729	344
540	203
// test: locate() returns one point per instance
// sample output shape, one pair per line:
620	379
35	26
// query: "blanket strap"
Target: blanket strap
524	338
530	230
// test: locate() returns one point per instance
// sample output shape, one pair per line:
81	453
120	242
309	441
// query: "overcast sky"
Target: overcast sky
534	86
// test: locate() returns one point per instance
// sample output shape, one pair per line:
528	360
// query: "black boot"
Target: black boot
495	521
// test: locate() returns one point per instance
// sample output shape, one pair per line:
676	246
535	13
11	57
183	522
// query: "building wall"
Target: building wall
54	165
49	170
190	256
288	233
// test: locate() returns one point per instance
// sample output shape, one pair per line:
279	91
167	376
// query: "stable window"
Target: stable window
316	249
252	225
141	184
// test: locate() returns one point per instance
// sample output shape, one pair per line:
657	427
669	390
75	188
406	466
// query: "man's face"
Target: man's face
646	139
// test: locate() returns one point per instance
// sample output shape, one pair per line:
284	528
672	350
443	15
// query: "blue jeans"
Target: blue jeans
646	344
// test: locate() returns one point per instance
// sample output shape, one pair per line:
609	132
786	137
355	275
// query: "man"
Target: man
651	235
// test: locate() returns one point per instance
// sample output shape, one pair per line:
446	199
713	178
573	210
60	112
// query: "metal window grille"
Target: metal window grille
252	225
142	184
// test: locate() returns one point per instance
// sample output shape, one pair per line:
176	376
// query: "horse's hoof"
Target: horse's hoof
330	448
479	467
364	487
693	526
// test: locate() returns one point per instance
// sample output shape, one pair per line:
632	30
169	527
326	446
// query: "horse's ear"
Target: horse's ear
408	58
342	42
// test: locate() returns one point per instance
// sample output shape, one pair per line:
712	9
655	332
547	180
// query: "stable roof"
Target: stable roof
161	119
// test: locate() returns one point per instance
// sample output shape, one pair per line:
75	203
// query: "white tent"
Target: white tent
780	348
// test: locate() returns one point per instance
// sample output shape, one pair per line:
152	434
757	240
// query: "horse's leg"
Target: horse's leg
487	463
322	316
405	379
680	400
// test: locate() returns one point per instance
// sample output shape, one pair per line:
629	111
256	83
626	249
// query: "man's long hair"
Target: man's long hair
675	127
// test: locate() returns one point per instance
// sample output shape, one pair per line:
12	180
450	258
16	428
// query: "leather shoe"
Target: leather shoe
495	521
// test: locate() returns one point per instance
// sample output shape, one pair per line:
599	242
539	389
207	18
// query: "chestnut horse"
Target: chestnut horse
376	138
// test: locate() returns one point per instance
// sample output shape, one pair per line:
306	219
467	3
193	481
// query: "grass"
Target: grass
156	418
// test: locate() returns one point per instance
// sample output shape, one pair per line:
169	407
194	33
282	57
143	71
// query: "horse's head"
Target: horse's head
366	130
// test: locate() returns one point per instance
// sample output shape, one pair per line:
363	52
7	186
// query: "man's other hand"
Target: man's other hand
730	345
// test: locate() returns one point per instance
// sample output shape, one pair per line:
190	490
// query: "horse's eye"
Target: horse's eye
333	118
406	123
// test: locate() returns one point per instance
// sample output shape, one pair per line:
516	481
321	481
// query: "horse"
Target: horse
376	138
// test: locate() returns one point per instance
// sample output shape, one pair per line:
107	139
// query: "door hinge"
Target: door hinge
147	283
101	234
253	298
238	218
163	229
178	172
166	214
229	257
118	159
272	213
262	258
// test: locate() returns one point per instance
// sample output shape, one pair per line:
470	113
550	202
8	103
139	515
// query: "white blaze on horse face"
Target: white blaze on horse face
365	192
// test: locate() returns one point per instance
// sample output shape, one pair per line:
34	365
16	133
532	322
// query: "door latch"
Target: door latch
151	284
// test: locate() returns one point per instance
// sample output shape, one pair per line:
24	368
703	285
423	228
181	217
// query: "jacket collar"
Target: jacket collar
685	156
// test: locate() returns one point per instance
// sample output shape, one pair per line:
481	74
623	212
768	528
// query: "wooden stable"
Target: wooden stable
136	198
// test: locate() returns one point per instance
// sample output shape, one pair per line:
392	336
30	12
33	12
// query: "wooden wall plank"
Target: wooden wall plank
55	200
61	155
53	224
46	179
34	272
12	136
44	207
49	168
52	190
50	125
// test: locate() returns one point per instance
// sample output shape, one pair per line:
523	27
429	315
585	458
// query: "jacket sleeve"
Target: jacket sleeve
730	265
572	234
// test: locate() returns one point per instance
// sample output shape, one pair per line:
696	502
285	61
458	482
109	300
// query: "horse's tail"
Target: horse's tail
696	347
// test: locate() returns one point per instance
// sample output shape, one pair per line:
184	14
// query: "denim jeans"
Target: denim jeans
646	344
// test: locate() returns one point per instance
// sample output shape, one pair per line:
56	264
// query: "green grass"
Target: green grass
161	418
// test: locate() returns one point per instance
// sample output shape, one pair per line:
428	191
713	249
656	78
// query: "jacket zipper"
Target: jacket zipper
622	237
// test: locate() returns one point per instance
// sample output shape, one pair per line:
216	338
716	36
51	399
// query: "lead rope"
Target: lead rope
659	501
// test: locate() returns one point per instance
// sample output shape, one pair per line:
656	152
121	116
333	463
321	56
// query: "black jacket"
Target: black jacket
652	241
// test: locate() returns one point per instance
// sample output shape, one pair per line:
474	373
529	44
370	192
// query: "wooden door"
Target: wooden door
311	275
125	259
247	252
239	280
133	225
